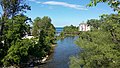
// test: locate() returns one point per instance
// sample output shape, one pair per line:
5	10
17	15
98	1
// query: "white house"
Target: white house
84	27
28	37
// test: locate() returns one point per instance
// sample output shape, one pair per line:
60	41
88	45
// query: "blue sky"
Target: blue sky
66	12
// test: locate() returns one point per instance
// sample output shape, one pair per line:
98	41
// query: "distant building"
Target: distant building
27	37
84	27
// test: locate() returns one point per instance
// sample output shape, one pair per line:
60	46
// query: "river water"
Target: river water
63	50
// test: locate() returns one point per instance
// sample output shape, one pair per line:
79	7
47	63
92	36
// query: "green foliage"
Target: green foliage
36	26
14	26
44	30
101	48
18	52
13	7
10	9
112	3
16	29
94	23
8	34
69	31
45	25
44	42
62	34
15	49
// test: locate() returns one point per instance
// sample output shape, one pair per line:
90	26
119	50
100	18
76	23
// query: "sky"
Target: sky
66	12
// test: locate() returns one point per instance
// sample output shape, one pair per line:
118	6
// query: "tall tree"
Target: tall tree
44	24
10	8
12	24
16	29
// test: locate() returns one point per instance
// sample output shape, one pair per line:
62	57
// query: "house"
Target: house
84	27
27	37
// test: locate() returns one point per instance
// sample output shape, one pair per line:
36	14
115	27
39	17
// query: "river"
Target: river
63	50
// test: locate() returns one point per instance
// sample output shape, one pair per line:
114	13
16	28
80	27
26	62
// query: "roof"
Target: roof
83	24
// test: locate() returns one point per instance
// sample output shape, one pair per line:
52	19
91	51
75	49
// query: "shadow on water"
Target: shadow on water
64	49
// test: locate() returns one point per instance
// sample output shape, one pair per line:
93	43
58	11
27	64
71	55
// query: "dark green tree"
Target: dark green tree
11	8
36	26
17	28
70	30
100	47
94	23
14	49
46	25
12	24
18	53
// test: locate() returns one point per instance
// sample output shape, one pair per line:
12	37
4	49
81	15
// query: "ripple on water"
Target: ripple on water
64	49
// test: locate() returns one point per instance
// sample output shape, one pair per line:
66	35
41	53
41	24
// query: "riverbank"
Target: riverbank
60	57
44	59
34	62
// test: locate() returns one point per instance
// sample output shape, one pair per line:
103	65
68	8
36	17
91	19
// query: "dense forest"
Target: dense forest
15	50
100	46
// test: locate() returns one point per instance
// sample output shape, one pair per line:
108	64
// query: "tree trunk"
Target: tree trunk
3	18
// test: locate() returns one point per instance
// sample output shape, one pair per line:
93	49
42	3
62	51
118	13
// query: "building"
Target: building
84	27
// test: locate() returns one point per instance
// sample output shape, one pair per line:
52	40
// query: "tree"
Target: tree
46	25
12	24
100	47
17	28
10	9
94	23
16	50
70	30
112	3
36	26
18	53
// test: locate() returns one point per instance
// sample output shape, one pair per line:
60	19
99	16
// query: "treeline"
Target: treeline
100	46
69	31
15	50
44	25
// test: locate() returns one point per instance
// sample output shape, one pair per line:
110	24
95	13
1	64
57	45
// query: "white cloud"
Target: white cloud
65	5
74	6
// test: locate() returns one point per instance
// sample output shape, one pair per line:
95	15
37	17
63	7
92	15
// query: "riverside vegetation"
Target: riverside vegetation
101	45
69	31
14	50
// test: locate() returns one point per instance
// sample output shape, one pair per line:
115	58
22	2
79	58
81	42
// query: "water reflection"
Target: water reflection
64	49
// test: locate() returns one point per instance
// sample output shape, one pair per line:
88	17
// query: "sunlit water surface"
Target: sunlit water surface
64	49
